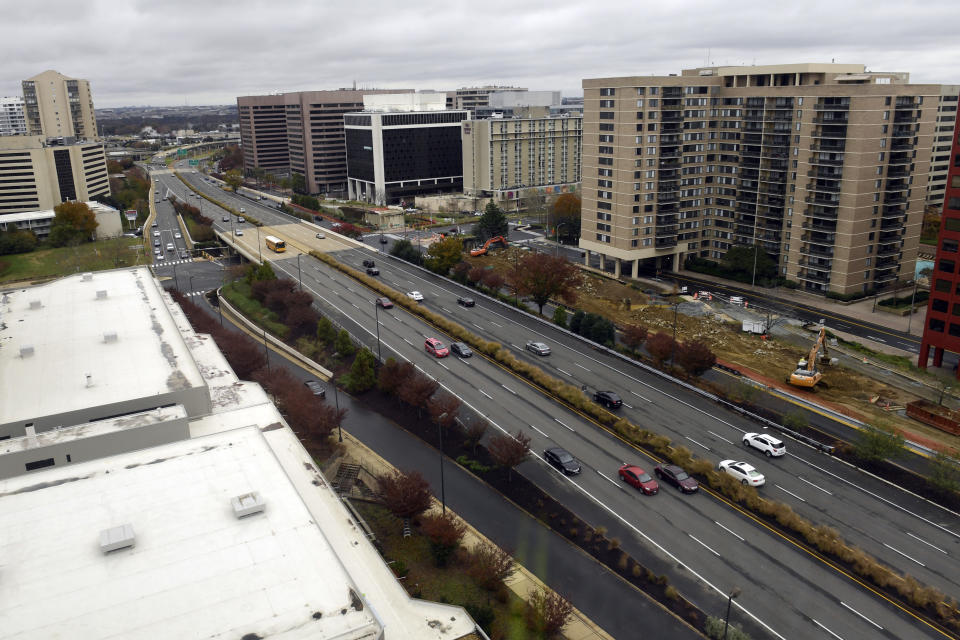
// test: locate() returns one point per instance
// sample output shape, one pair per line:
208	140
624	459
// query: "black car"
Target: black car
373	271
466	302
368	263
672	474
608	399
461	349
383	240
316	388
562	460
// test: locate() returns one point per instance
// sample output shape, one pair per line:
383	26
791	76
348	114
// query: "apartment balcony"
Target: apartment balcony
902	145
751	138
667	197
744	231
667	207
893	210
816	263
816	276
899	159
896	184
891	223
901	171
823	201
834	118
821	214
753	115
773	154
670	139
843	104
902	132
826	187
671	116
824	239
776	139
667	219
816	250
780	116
669	163
887	237
781	103
895	198
664	153
891	249
824	174
665	243
885	275
819	227
752	127
671	128
887	263
827	162
829	145
905	117
670	174
828	134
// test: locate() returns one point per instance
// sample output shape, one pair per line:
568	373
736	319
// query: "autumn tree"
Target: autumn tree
405	494
445	532
460	270
476	274
443	255
490	566
547	612
443	408
695	357
417	391
492	280
492	223
508	450
542	276
634	336
244	355
233	178
474	431
394	375
660	345
73	222
565	210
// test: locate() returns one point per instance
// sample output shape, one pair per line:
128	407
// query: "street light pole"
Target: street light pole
259	248
299	278
557	230
191	283
376	312
443	491
673	346
726	620
913	299
336	398
756	250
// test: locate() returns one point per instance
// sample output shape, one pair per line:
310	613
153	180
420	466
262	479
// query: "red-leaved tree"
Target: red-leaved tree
542	276
634	336
508	450
405	494
695	357
445	532
660	346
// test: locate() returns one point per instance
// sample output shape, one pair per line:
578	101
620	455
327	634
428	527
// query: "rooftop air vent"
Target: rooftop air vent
87	277
26	351
117	538
35	304
102	294
247	504
109	336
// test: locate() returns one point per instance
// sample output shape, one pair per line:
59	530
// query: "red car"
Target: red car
437	348
385	303
640	479
672	474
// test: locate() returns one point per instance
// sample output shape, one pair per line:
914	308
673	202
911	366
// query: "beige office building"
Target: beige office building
36	176
507	158
59	107
826	166
300	133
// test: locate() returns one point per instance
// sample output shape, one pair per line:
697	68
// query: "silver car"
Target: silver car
538	348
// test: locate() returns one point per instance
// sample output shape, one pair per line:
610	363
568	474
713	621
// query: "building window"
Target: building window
950	246
641	90
607	104
606	115
954	330
956	309
939	305
39	464
953	202
608	92
942	285
947	266
936	325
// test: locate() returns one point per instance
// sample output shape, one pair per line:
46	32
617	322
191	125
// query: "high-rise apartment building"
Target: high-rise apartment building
825	166
36	175
12	121
470	98
507	158
942	330
59	107
300	134
942	141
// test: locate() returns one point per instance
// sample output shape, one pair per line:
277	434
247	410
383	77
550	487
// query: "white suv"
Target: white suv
743	472
766	443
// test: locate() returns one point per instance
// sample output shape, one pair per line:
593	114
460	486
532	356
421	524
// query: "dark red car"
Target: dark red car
672	474
640	479
385	303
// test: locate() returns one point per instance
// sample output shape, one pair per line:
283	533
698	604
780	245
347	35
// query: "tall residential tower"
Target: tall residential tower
59	107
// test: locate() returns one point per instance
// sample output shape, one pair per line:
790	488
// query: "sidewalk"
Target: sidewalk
521	583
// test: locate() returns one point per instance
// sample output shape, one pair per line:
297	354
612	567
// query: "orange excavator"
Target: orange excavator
808	373
486	245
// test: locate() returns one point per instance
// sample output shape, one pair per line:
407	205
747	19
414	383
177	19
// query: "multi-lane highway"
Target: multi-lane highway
785	590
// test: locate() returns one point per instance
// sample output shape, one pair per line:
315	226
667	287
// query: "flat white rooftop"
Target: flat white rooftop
114	328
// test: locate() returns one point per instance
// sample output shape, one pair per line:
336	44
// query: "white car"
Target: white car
766	443
238	232
160	256
156	234
177	235
415	295
743	472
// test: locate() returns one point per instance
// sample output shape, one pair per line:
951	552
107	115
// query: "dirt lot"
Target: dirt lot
772	359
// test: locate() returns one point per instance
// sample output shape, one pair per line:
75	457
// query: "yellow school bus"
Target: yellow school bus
276	244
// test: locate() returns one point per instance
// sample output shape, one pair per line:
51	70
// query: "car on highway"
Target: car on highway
704	295
383	240
226	218
156	233
562	460
742	471
538	348
373	271
160	256
154	225
321	236
369	263
672	474
765	443
315	388
415	295
436	348
242	210
608	399
385	303
176	234
464	301
184	255
461	349
238	232
156	242
170	247
639	479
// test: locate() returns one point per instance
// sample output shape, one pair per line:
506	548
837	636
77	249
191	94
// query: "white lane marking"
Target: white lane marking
397	318
919	539
561	422
733	533
861	615
477	326
877	339
516	347
627	405
790	492
697	443
443	365
825	629
354	306
614	483
717	435
445	309
903	554
485	393
566	373
496	325
641	397
581	366
538	431
802	479
508	389
408	342
703	545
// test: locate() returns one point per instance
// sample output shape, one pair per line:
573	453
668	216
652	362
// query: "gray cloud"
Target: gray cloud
210	51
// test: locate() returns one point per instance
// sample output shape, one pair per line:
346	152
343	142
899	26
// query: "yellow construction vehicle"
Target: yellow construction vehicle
808	374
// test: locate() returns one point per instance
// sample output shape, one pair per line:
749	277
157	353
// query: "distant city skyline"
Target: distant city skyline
181	52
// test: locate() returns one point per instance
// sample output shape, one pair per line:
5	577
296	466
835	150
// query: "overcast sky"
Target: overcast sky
175	52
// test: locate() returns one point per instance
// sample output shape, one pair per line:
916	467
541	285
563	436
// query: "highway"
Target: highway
785	589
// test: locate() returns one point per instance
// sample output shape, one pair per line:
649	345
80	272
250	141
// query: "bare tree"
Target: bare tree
509	450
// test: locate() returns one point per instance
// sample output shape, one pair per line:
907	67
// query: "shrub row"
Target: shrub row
220	204
825	539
